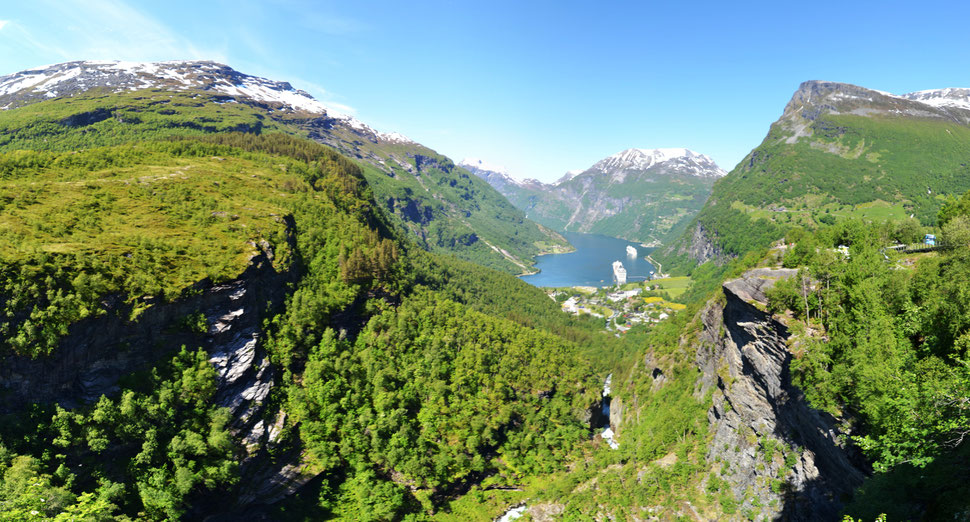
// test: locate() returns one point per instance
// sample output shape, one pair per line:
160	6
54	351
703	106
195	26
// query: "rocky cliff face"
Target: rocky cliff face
783	458
814	98
702	248
97	352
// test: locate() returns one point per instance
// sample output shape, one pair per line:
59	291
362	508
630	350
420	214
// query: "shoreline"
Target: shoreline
571	248
659	273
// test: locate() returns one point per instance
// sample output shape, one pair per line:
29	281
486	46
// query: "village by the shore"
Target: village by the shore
624	304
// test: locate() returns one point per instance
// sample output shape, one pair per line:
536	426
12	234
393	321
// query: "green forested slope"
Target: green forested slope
443	385
637	194
414	385
838	152
882	343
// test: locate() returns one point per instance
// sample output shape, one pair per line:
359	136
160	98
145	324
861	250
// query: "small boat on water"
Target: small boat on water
631	251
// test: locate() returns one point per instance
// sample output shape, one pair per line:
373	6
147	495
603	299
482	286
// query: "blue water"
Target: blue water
591	264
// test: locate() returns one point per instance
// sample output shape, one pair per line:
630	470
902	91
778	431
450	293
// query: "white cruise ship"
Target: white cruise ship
619	273
631	251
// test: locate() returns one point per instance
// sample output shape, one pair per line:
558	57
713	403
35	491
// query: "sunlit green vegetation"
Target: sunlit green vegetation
893	354
674	286
459	373
151	451
145	220
875	168
419	385
93	120
645	210
446	208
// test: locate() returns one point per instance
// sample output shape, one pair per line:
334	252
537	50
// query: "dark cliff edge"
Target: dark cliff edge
786	460
98	352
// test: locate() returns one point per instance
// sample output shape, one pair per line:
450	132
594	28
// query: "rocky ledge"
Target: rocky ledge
98	352
783	459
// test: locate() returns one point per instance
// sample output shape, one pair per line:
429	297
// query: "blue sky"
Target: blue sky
540	87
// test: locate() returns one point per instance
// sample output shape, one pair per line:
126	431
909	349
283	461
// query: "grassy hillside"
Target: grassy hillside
824	163
446	208
479	371
141	220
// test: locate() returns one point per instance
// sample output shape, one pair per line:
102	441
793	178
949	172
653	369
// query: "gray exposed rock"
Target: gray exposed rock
272	481
99	350
753	284
546	512
616	414
815	98
743	354
276	429
702	248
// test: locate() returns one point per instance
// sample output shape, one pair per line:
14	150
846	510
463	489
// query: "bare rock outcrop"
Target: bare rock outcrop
783	459
700	248
98	351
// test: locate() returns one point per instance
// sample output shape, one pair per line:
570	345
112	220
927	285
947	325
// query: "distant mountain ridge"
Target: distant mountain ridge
958	98
641	159
838	151
67	79
636	194
444	207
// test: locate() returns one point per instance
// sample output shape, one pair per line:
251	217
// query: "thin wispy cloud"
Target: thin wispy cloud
322	94
320	17
112	29
52	31
17	40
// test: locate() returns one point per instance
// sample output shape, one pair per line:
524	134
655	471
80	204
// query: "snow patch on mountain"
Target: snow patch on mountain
570	174
12	85
70	78
483	165
496	176
638	160
949	97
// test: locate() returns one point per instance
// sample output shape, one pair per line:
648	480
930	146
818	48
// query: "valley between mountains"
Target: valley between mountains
223	300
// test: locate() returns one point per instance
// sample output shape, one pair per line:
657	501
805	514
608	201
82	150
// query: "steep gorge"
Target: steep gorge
99	352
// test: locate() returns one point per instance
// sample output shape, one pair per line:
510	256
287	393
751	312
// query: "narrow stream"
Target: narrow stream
512	514
607	433
516	512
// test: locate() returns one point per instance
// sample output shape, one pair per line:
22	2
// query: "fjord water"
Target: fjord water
591	264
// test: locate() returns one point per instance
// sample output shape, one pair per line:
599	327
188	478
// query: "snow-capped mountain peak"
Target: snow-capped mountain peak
496	176
68	79
636	160
570	174
483	165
